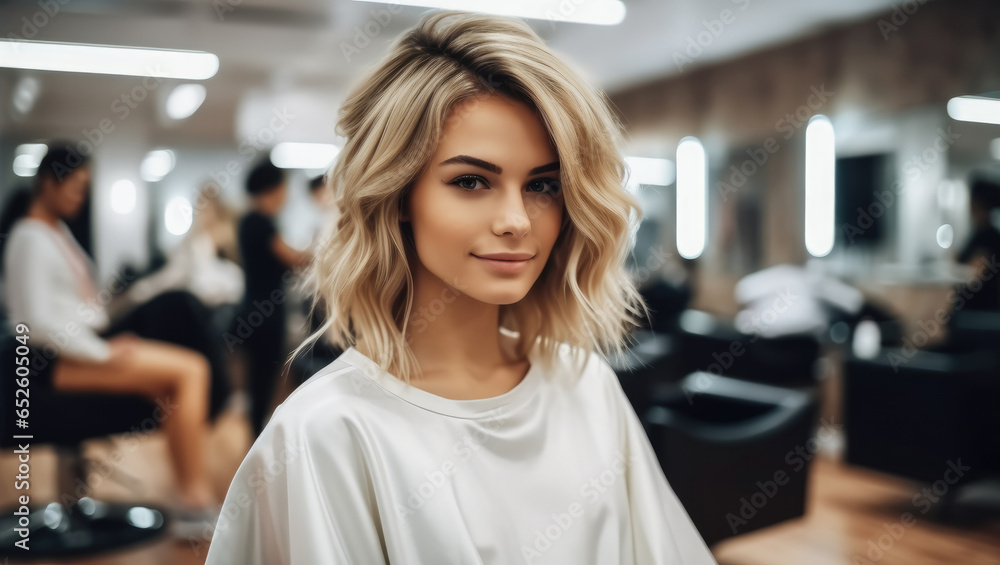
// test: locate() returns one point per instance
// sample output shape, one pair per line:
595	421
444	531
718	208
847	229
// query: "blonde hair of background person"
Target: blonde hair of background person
203	262
363	274
213	216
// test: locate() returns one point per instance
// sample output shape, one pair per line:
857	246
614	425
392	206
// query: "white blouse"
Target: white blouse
357	467
49	285
192	265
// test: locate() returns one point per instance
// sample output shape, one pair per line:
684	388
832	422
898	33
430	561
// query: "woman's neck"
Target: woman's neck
39	212
454	336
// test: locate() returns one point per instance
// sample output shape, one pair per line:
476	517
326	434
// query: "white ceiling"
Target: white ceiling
276	52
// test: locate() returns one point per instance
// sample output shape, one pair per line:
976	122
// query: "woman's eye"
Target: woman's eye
546	185
467	183
470	183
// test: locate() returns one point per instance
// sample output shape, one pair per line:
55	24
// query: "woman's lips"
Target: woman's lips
504	267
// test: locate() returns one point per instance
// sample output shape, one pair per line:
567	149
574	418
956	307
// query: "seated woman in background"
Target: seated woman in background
50	287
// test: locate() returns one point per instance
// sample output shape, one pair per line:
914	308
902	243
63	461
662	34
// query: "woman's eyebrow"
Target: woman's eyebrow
495	168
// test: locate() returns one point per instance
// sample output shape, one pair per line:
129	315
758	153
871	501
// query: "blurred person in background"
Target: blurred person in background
50	286
268	264
322	196
981	251
325	211
203	262
322	353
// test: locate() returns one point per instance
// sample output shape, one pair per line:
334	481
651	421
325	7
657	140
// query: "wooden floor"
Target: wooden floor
848	511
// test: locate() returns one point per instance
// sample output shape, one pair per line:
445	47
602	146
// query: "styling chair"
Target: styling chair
649	365
76	525
707	343
913	413
736	453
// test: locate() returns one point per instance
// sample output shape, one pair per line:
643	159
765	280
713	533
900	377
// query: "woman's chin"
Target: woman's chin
500	296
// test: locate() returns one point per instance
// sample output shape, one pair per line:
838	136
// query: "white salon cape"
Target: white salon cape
357	467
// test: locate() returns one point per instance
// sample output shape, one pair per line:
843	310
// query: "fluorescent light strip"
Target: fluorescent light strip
691	198
646	170
289	155
107	59
599	12
820	198
975	109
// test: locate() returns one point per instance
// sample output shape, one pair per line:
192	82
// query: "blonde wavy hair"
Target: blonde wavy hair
392	120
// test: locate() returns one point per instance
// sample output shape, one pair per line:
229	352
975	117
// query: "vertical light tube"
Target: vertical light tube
820	197
691	198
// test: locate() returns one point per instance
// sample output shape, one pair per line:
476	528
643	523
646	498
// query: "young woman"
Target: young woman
50	287
475	270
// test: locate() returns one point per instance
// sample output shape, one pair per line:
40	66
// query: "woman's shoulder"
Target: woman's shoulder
337	393
30	236
29	228
578	362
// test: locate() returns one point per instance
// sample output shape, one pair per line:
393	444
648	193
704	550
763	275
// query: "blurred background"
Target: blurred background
820	181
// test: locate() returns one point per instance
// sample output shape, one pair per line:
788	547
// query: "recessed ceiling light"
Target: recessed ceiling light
156	165
178	216
27	157
184	100
123	196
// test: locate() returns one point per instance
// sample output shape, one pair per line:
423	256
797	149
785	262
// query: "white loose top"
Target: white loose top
357	467
194	266
50	286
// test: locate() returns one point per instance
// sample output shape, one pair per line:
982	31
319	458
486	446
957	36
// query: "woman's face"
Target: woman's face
492	187
65	197
208	216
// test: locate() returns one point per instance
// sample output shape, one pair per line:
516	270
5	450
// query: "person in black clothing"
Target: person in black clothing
268	263
983	247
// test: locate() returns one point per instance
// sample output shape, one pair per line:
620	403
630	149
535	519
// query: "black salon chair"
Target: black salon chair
907	412
736	453
921	414
648	365
709	343
973	330
76	525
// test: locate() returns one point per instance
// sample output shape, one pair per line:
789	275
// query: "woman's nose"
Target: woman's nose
512	217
